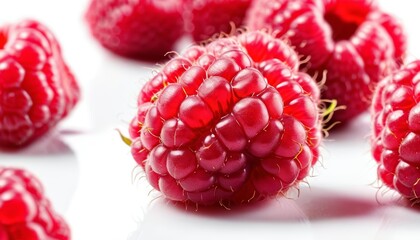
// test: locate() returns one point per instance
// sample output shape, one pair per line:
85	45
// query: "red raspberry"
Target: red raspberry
145	29
396	130
37	88
211	17
354	42
228	123
25	213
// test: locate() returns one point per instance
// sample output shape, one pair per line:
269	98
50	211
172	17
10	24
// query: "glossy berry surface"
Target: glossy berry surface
210	17
396	130
353	42
144	29
25	213
37	89
228	123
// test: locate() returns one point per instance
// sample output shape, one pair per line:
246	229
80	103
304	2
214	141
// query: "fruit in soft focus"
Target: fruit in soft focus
37	89
228	123
396	130
144	29
25	213
354	42
210	17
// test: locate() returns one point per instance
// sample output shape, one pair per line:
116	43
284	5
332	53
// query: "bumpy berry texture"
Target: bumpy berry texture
37	89
210	17
396	130
228	123
144	29
353	42
25	213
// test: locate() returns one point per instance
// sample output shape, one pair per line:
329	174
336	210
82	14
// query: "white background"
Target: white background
92	180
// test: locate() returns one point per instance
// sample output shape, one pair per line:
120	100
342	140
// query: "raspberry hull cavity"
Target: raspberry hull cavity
352	44
228	123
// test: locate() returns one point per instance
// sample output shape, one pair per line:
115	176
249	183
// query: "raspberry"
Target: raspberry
37	89
25	213
228	123
396	130
354	42
138	29
210	17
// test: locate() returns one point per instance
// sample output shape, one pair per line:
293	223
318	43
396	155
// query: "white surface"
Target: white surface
91	178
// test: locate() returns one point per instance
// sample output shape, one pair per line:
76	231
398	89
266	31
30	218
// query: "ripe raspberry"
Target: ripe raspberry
228	123
145	29
25	213
354	42
210	17
37	88
396	130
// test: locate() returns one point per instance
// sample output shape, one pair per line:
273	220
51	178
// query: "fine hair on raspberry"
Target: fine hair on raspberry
228	123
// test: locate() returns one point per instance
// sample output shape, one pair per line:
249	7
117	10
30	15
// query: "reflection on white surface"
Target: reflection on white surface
53	162
270	219
320	204
399	223
88	173
316	214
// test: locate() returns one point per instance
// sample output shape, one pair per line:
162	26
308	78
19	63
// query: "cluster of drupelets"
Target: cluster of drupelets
231	121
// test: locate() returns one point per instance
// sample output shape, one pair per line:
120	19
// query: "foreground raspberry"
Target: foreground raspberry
228	123
145	29
25	213
37	89
396	130
211	17
354	42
